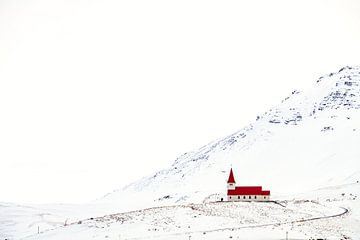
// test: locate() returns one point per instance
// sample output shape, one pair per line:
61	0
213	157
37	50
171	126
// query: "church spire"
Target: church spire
231	177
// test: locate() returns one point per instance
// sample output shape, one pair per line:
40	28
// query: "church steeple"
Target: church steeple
231	177
231	181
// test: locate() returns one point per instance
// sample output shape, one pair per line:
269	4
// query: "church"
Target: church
252	193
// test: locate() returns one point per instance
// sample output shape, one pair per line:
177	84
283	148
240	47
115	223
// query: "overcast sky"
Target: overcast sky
96	94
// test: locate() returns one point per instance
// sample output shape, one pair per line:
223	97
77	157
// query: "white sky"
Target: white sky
95	94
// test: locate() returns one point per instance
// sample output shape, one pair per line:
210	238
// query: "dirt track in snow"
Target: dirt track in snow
207	210
345	211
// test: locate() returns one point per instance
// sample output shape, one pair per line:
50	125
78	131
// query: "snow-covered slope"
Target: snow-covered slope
328	213
218	220
305	150
18	221
310	140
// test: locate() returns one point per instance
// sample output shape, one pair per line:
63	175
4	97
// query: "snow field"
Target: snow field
210	219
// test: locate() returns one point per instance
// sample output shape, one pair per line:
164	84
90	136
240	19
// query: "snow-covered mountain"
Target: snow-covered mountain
310	140
306	151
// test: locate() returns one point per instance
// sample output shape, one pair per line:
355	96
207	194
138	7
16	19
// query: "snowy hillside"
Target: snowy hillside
209	221
310	140
305	150
328	213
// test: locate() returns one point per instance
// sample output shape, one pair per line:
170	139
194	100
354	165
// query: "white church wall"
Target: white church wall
241	198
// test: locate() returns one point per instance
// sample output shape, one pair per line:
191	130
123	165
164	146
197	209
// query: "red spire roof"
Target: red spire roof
231	177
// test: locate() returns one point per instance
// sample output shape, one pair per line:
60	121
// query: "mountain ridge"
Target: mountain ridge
328	108
310	165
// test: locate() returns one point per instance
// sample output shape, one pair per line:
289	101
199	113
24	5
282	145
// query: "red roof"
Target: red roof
231	177
248	191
